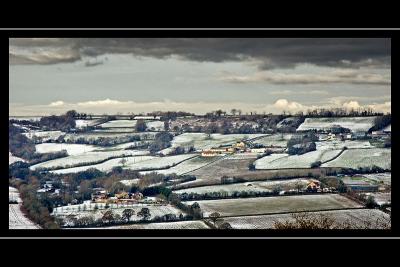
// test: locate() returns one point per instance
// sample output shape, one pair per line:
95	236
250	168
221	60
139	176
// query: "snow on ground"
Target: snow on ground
286	161
45	135
265	186
88	158
133	163
155	125
337	144
356	158
13	195
164	225
130	182
279	140
385	177
24	128
158	162
72	149
184	167
106	166
17	118
12	159
388	128
82	210
119	123
119	137
84	123
266	205
201	141
16	219
357	218
381	198
352	123
114	130
77	149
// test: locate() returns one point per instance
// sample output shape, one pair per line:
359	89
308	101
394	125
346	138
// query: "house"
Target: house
240	145
209	153
313	186
99	195
331	137
378	133
360	135
323	137
258	150
122	195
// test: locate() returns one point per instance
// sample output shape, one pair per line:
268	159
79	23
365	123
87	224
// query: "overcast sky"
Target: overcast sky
50	76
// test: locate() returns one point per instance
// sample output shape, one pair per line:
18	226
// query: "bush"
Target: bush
316	164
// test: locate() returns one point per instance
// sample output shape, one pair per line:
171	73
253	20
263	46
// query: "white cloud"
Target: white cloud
105	102
284	104
351	105
56	104
110	106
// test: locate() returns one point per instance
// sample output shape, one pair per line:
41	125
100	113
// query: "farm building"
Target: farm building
313	186
258	150
240	145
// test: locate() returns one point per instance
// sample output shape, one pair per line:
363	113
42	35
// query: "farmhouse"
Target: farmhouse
240	145
258	150
99	195
313	186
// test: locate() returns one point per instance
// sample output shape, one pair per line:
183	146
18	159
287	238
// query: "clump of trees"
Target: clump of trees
63	123
381	122
162	140
303	144
140	126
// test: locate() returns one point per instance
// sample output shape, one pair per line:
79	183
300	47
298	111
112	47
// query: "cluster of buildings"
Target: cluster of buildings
238	147
100	195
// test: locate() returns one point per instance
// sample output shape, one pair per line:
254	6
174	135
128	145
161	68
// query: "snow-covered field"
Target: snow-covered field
12	159
356	158
17	118
72	149
13	195
133	163
279	140
118	137
267	186
265	205
385	177
85	123
44	135
16	219
357	218
165	225
114	130
381	198
106	166
201	141
184	167
337	144
119	123
155	125
155	210
286	161
352	123
87	158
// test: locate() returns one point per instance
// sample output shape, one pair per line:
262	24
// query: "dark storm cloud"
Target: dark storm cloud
268	53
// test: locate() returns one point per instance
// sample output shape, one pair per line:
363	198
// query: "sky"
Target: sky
140	75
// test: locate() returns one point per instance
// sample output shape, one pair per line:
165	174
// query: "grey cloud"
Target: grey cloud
268	52
338	76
